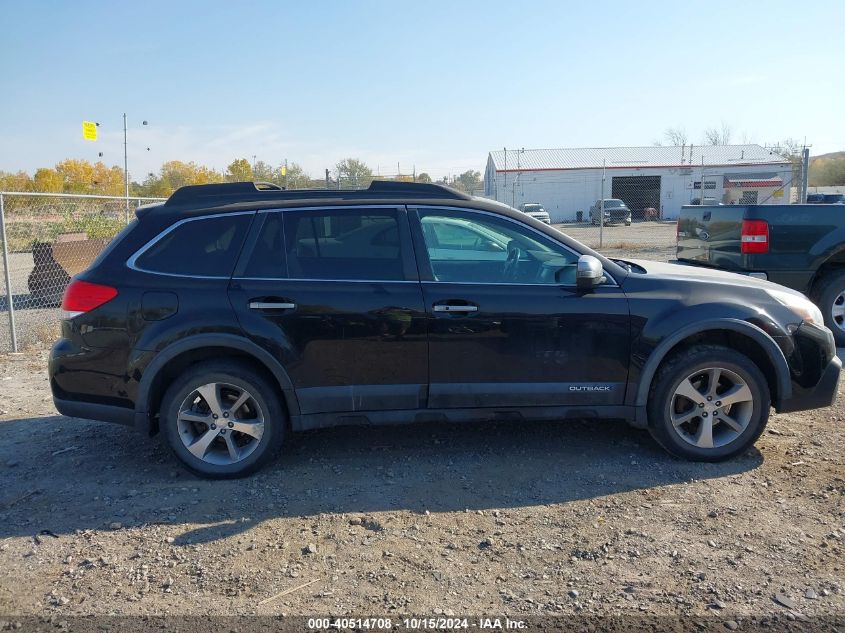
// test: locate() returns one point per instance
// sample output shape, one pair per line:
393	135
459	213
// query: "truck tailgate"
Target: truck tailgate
711	235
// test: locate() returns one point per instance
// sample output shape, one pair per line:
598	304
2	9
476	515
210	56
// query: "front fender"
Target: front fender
640	389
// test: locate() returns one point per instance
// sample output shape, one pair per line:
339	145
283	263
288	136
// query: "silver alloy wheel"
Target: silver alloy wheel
837	310
220	423
711	408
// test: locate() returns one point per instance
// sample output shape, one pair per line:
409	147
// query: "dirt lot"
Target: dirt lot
641	240
575	518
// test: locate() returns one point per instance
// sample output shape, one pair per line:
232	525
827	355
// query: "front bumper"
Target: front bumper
814	368
823	394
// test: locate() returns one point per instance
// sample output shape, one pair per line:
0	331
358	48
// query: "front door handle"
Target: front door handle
450	308
272	305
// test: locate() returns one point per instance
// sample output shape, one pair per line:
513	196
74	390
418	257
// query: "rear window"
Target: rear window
206	247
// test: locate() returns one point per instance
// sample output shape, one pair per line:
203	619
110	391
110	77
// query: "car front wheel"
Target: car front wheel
222	419
708	403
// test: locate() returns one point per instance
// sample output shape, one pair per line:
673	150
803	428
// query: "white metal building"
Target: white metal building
568	181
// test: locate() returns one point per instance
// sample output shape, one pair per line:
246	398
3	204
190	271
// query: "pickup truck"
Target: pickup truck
800	246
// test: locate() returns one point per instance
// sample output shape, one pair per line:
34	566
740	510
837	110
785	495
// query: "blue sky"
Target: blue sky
432	84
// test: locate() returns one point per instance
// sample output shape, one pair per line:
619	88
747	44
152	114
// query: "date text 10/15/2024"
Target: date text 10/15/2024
417	624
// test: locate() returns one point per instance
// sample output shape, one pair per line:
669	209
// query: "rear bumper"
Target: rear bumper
823	394
94	411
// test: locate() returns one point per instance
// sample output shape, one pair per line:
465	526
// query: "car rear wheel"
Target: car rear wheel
222	420
829	295
708	403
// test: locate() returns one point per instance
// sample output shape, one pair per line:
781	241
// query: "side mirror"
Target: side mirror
589	273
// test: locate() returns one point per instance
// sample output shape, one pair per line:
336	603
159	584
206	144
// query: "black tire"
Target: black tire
828	292
678	368
241	376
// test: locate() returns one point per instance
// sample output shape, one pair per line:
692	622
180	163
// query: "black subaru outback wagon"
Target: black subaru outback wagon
233	314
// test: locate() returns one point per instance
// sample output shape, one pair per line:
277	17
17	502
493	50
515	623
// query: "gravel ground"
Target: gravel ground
641	240
522	519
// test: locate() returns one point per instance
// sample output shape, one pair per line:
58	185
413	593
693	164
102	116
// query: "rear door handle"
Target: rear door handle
449	308
271	305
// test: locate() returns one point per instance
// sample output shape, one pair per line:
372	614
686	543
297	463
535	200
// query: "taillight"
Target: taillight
755	236
83	296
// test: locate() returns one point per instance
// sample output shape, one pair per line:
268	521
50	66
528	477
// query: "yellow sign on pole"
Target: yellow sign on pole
89	130
284	170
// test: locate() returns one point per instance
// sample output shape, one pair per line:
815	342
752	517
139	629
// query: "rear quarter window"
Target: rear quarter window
205	247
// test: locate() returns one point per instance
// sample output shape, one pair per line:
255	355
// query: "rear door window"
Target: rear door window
205	247
343	244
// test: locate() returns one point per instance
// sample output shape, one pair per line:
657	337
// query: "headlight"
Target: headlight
800	305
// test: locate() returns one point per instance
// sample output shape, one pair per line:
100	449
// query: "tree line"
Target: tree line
83	177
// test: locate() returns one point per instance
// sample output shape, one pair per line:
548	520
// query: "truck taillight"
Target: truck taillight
755	236
83	296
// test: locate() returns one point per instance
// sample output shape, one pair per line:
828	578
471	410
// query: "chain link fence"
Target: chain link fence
48	238
625	201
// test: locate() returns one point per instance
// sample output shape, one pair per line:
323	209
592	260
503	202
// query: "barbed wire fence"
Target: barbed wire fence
46	239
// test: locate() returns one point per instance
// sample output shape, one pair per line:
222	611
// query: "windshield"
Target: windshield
532	207
613	203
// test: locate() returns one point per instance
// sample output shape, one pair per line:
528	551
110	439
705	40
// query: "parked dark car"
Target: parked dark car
799	246
826	198
615	212
233	314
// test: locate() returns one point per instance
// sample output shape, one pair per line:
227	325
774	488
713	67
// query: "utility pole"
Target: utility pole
805	174
327	179
601	205
286	174
701	195
505	176
125	169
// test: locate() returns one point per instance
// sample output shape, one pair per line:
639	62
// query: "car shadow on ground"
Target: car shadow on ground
64	475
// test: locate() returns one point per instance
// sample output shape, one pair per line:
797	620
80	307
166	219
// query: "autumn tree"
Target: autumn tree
77	175
469	181
174	174
296	177
264	172
239	171
352	172
46	180
106	181
19	181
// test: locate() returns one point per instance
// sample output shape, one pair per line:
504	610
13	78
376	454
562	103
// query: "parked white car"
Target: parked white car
536	211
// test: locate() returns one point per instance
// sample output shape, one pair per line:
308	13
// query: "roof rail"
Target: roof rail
398	187
227	192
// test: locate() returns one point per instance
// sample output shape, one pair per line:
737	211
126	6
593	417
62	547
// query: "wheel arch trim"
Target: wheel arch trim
200	341
769	346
